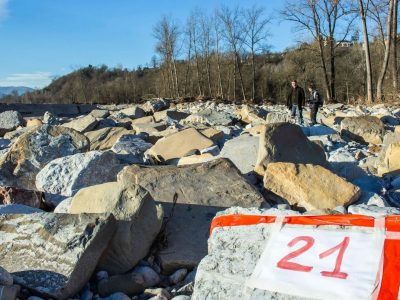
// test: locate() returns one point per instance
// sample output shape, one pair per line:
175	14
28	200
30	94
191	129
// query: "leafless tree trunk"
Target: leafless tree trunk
394	43
366	48
379	86
256	34
234	36
167	35
217	29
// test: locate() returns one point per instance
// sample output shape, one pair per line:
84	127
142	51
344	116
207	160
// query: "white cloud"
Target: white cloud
34	80
3	9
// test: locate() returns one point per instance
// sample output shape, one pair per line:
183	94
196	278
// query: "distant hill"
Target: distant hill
8	90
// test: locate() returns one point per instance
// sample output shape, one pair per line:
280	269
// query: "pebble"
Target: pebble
117	296
150	277
177	276
101	275
5	277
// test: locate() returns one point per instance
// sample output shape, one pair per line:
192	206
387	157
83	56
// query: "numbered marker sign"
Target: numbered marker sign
320	263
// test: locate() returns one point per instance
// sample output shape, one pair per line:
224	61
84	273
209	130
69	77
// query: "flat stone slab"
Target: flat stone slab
53	255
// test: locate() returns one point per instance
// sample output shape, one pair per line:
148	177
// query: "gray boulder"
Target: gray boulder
9	121
63	177
34	149
277	117
53	255
201	190
18	209
210	117
131	148
242	151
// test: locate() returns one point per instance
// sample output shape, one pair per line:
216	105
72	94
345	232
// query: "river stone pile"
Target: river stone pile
117	203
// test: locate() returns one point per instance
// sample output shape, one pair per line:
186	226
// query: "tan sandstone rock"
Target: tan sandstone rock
33	122
202	190
309	186
138	221
105	138
391	160
285	142
179	144
83	124
364	129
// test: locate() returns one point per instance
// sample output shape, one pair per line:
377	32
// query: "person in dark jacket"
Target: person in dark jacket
295	101
315	102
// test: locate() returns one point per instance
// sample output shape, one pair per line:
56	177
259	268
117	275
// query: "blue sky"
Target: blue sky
41	39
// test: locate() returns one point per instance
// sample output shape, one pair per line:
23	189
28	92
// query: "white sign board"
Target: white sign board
321	263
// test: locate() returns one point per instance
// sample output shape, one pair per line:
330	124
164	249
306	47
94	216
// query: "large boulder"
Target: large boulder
83	124
179	144
309	186
53	255
170	115
131	148
251	115
242	151
201	190
390	163
134	112
139	221
34	149
363	129
105	138
277	117
12	195
285	142
210	117
9	121
63	177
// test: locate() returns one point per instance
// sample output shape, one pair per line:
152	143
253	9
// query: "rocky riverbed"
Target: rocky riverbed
117	204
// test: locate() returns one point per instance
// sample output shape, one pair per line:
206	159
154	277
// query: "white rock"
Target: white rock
9	121
373	211
131	148
64	176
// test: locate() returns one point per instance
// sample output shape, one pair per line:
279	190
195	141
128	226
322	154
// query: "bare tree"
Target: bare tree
218	41
367	52
206	41
255	36
388	45
233	34
167	34
394	42
330	23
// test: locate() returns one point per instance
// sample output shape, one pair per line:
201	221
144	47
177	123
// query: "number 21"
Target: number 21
285	262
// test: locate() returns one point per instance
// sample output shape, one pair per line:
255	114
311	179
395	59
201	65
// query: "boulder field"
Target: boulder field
117	203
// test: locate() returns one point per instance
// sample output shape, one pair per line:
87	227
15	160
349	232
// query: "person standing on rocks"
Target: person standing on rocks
295	101
315	101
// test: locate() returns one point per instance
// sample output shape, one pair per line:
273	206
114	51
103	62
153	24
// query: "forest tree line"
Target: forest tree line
348	49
